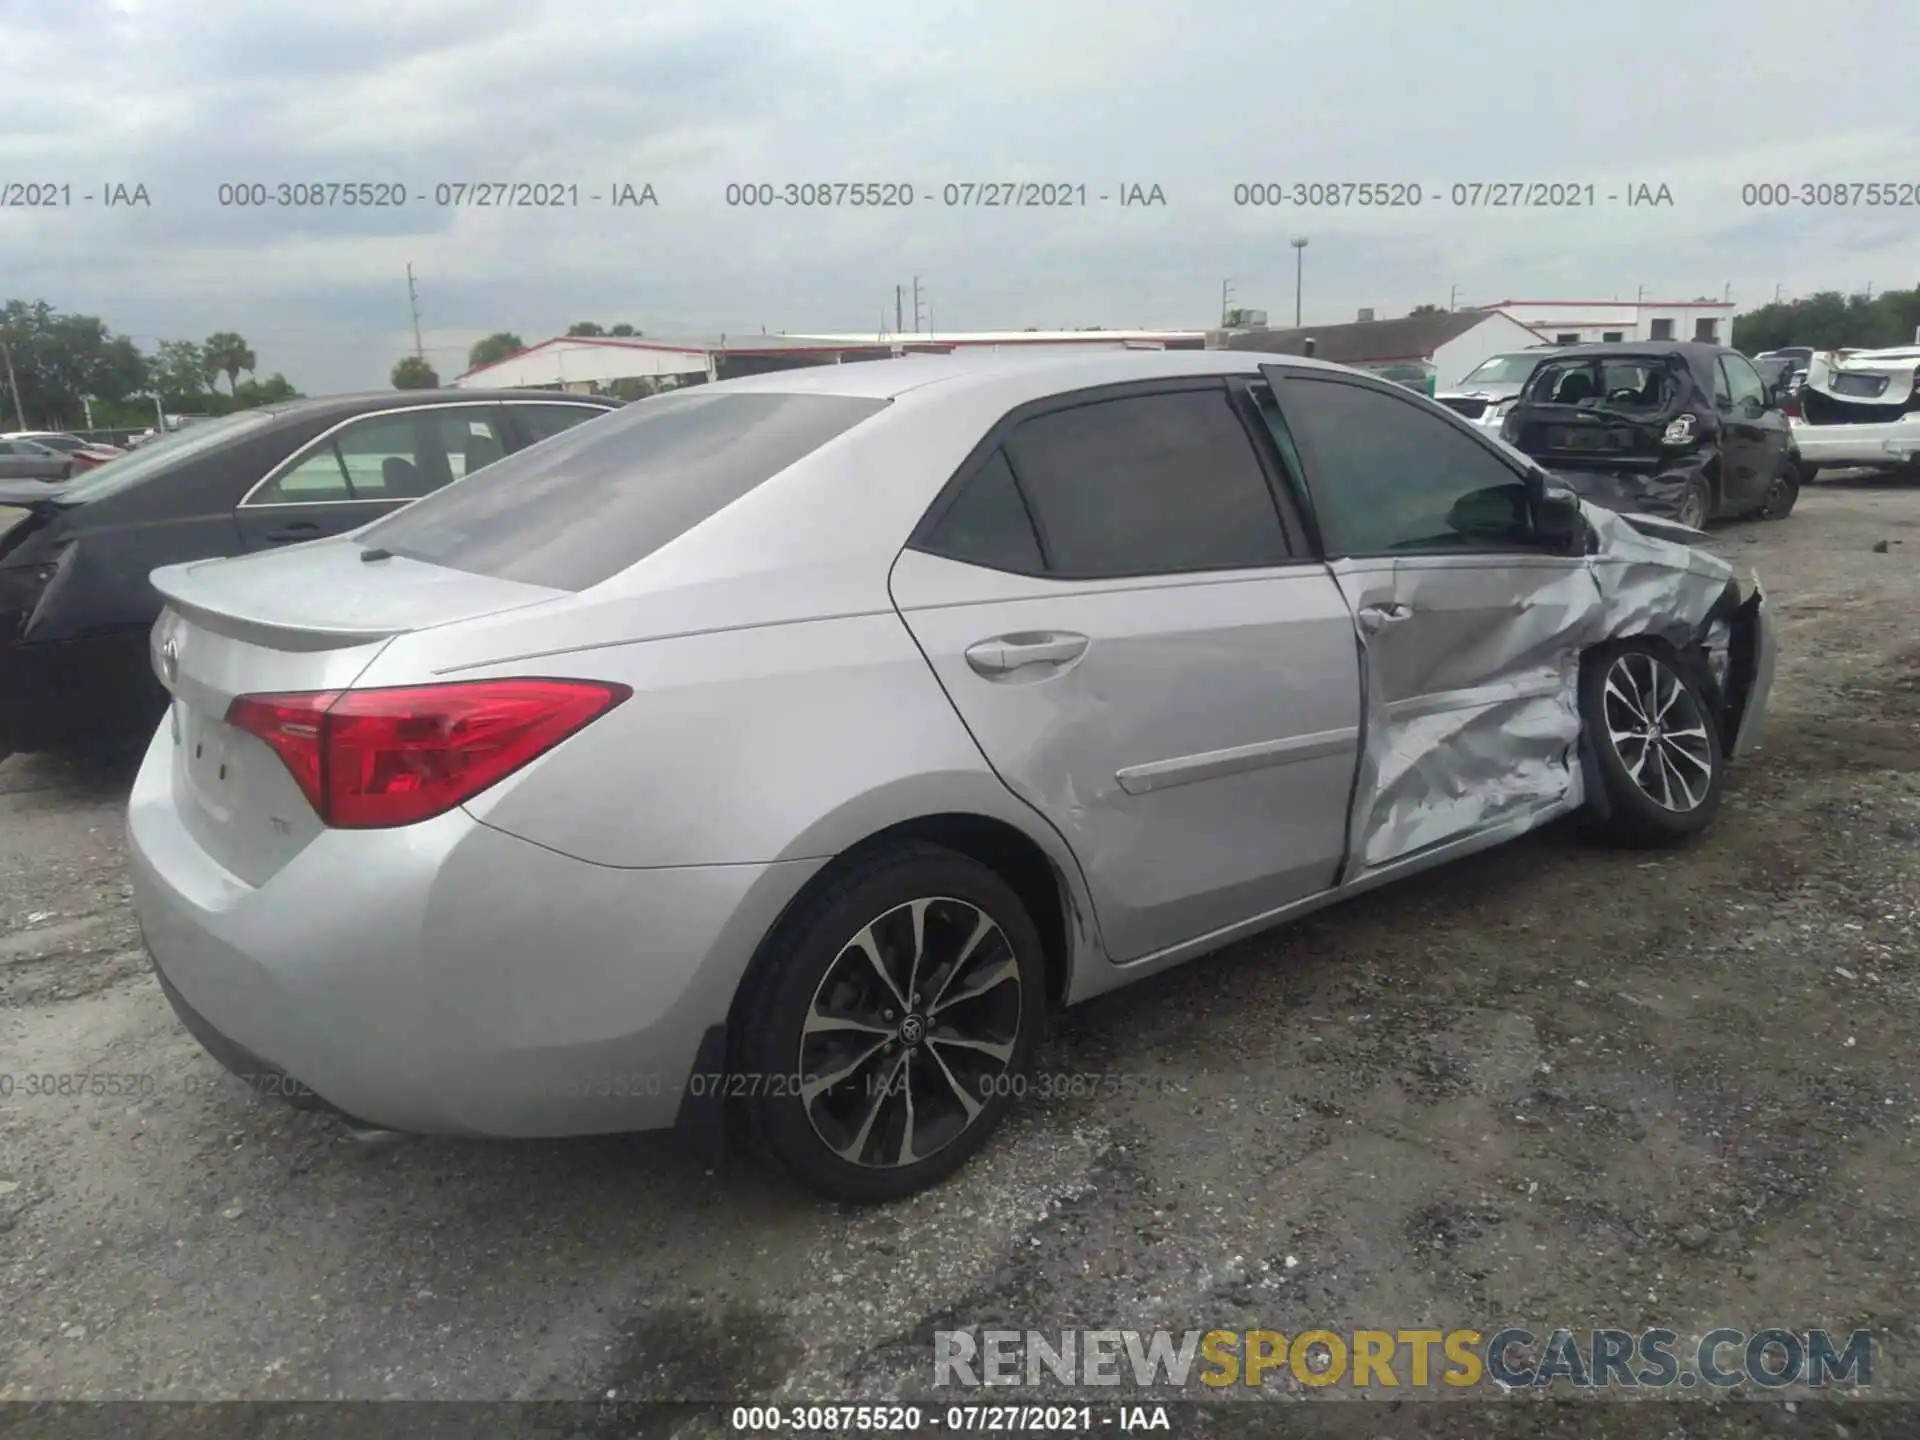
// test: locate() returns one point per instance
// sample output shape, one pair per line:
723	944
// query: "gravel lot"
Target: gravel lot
1552	1085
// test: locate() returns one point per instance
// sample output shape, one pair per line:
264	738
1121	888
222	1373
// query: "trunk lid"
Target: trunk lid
310	618
1578	435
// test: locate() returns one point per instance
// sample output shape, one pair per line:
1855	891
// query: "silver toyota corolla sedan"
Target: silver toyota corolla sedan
787	748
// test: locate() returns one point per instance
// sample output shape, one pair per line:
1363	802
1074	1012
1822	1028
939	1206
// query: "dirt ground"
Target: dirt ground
1553	1086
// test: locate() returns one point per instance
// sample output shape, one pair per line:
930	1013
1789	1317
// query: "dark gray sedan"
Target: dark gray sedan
30	460
75	604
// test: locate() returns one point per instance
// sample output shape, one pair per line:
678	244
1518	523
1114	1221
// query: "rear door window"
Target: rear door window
390	457
574	512
1157	484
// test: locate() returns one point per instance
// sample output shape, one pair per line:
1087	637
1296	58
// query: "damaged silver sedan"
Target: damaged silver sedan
798	742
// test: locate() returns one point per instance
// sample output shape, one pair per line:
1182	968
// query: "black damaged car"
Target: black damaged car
1691	432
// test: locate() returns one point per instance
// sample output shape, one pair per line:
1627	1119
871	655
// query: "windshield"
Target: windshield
125	470
54	442
1626	383
1502	370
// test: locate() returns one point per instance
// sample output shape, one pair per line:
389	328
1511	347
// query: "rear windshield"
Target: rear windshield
1503	370
127	470
1627	383
581	507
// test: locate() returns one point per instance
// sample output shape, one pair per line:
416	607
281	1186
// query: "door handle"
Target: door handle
1375	618
295	530
1006	653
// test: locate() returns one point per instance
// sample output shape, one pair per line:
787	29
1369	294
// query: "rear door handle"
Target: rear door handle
295	530
1375	618
1005	654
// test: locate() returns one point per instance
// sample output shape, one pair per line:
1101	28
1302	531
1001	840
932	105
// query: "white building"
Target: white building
1426	351
1585	322
580	362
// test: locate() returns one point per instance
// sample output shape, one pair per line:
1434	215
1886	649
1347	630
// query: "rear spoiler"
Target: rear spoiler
176	586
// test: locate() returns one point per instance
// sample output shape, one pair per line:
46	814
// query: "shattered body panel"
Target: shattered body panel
1473	730
1861	408
1653	492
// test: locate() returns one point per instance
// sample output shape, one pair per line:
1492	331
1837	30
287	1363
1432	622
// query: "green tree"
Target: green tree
228	354
270	391
62	361
180	375
1427	310
1828	320
414	373
584	327
495	348
624	331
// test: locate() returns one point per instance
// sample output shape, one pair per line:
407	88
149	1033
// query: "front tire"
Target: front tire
893	1028
1779	500
1650	721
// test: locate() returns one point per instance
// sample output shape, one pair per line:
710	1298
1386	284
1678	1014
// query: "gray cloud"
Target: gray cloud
691	96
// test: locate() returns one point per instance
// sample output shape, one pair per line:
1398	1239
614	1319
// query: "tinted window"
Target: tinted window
988	523
390	457
545	421
580	509
160	454
1149	485
1744	381
1388	476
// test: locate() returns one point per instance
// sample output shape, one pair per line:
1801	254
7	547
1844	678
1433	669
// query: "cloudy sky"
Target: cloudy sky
183	96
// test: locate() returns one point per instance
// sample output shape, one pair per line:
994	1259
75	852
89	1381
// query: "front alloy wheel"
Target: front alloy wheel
1658	732
1651	730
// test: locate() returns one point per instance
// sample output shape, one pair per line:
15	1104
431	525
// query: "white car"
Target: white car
1488	391
1861	407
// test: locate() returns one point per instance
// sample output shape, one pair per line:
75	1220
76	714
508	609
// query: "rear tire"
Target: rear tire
1649	717
923	1040
1696	505
1779	500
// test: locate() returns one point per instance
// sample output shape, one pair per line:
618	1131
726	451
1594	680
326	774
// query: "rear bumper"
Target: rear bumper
1893	443
55	694
448	978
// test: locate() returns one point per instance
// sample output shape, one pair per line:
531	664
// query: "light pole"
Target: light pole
1299	267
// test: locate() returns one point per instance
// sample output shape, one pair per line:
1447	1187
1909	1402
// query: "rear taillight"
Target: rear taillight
372	759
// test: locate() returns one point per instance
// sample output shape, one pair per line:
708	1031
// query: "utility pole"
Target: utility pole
899	320
1453	292
13	384
413	303
916	304
1226	294
1299	269
1776	293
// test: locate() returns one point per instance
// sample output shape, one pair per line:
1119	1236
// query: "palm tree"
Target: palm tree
228	354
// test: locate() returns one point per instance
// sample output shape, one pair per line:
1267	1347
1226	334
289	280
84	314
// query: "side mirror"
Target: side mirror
1556	510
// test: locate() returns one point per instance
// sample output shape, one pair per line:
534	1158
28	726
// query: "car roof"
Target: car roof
1041	375
1601	349
358	401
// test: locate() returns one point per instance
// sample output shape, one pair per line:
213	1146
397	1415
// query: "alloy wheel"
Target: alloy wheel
1659	731
1693	511
910	1033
